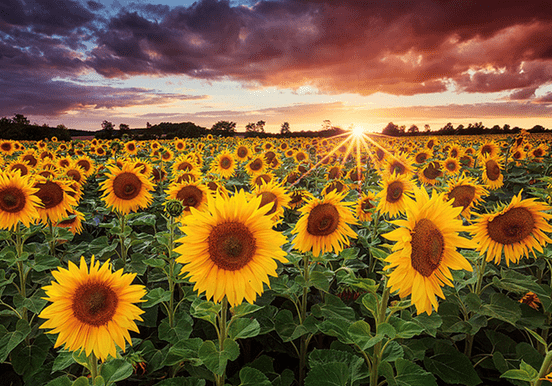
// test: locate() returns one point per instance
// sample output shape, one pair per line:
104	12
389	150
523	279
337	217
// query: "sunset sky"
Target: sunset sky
362	63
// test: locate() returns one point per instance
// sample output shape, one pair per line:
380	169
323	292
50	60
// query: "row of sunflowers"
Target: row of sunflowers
343	261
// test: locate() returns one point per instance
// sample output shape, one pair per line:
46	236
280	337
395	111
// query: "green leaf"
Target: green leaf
336	327
288	329
45	263
60	381
216	360
330	374
184	350
183	326
115	370
333	308
63	360
356	365
156	296
81	381
27	359
453	367
502	308
253	377
405	329
205	310
370	301
243	328
10	340
154	262
410	374
320	280
181	381
525	373
392	352
245	309
359	332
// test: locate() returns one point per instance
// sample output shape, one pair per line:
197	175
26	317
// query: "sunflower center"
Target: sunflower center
231	245
12	200
428	246
397	167
334	173
23	169
493	170
75	175
486	149
421	158
323	220
30	159
190	196
50	193
462	195
256	165
242	152
126	186
366	205
431	172
512	226
451	166
225	163
262	179
300	157
6	146
267	198
454	153
394	191
538	152
94	303
84	164
337	186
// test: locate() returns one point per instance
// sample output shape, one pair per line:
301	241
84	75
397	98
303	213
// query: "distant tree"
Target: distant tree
426	127
413	129
260	126
284	129
61	127
20	119
326	124
391	129
107	131
224	126
250	128
537	129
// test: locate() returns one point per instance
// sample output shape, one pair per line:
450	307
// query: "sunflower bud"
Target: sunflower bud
174	208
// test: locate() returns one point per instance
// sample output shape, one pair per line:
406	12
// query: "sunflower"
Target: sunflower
301	156
364	206
261	179
519	154
57	198
324	225
492	175
455	151
335	186
143	166
488	149
243	152
517	229
531	299
256	166
30	157
466	161
191	195
299	197
425	250
292	177
21	166
92	309
229	252
224	165
184	163
452	166
275	196
215	186
429	173
18	200
6	147
401	165
422	156
180	144
395	194
73	222
167	155
87	164
126	189
465	192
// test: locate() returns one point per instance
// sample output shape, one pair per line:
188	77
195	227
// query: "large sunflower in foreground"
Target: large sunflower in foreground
92	309
425	250
324	225
230	249
18	200
517	229
126	189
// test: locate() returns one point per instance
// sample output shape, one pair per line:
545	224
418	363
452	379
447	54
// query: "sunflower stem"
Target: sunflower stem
219	379
378	351
21	269
52	242
171	271
545	368
122	238
302	317
93	364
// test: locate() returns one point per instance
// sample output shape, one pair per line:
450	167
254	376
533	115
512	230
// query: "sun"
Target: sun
357	131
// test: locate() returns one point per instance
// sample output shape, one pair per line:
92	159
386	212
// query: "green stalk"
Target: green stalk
21	269
171	271
219	379
545	368
302	317
52	243
374	374
93	363
480	274
122	238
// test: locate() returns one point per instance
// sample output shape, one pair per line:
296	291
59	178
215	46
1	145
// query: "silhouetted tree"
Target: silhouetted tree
391	129
413	129
284	129
225	126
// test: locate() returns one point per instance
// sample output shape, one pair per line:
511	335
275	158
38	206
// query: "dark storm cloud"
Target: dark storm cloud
393	46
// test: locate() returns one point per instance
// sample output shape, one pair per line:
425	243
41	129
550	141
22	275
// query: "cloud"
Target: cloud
55	97
400	48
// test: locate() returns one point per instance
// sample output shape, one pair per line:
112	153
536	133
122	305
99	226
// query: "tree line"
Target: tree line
472	129
20	128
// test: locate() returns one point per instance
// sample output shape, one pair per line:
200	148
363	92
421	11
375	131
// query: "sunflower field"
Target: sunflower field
345	261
